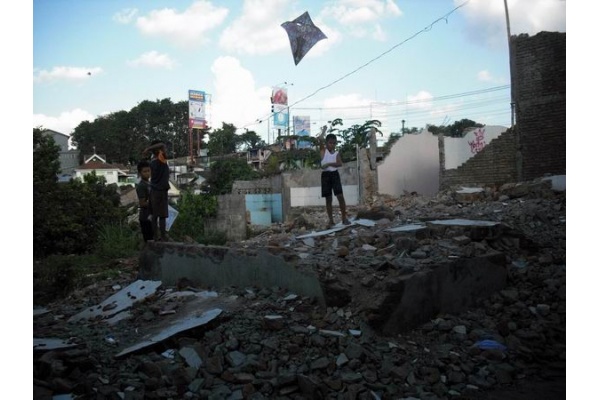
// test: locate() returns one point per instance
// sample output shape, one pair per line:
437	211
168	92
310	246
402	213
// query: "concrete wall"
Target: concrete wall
412	165
231	217
111	175
69	160
216	266
540	81
449	288
303	187
460	150
496	163
536	146
263	199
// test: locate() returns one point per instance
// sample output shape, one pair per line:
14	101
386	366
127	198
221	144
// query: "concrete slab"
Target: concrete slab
218	266
179	326
338	227
448	288
463	222
407	228
470	190
51	344
40	311
559	182
119	301
323	233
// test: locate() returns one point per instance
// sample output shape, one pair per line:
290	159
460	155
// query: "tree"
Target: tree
223	141
456	129
46	166
193	210
67	216
361	133
354	135
251	139
122	135
224	172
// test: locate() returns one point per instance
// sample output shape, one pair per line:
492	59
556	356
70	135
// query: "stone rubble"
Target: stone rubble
278	344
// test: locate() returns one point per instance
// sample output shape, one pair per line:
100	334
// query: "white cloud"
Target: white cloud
258	30
236	99
360	17
378	33
392	8
65	73
486	20
422	100
154	60
65	123
125	15
484	76
188	28
352	108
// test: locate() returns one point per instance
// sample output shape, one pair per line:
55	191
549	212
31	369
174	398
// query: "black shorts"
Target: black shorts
159	201
330	181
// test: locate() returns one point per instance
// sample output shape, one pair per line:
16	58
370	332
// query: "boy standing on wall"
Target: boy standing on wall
159	188
330	177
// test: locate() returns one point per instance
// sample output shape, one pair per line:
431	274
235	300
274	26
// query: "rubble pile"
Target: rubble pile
271	343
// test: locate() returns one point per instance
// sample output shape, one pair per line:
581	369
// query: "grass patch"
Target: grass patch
117	241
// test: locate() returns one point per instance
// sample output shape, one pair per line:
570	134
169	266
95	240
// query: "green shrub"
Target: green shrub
217	238
193	210
117	241
55	277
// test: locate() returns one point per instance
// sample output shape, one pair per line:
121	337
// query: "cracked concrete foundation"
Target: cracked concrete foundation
453	287
217	266
406	302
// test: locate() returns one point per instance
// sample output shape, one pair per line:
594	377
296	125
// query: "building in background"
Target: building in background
69	159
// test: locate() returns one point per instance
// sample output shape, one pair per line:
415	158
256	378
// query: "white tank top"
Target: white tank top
329	158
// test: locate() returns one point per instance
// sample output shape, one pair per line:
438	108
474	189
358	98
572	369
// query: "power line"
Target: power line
426	29
411	102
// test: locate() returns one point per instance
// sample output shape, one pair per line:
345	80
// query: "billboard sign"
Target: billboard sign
280	116
302	128
279	96
197	109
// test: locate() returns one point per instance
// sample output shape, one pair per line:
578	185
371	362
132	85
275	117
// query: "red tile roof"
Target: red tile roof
97	165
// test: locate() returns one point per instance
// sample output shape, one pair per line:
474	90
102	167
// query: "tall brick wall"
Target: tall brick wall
495	164
541	102
537	145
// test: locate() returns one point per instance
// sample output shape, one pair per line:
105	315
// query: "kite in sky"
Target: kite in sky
303	35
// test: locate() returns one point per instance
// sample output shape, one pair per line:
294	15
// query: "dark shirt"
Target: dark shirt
143	192
159	178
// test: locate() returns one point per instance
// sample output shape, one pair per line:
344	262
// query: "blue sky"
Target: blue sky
383	59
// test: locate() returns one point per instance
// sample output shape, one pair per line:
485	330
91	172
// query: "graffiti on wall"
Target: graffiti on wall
479	142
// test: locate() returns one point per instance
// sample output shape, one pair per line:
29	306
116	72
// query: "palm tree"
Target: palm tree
360	134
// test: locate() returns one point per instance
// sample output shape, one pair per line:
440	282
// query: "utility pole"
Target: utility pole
511	64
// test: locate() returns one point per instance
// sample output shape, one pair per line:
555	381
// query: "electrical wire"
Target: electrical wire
426	29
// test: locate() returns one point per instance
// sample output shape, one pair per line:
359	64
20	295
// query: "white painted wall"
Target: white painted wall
111	175
311	196
459	150
412	165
